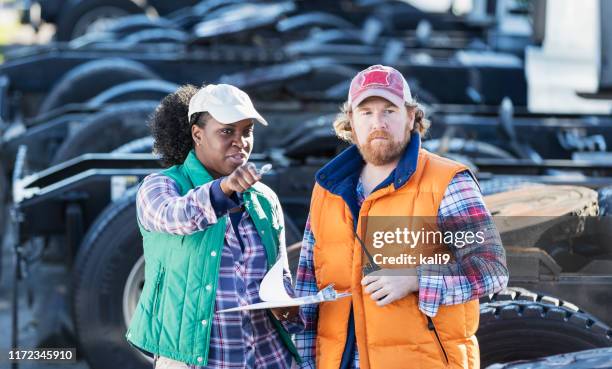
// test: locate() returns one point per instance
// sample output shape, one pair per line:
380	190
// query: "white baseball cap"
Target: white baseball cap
226	103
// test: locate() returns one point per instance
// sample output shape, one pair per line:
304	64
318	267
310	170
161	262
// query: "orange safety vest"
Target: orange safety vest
397	335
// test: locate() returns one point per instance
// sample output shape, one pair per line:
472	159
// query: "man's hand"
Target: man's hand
385	289
285	313
240	179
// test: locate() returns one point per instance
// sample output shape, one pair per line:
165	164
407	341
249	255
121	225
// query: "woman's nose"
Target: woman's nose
240	142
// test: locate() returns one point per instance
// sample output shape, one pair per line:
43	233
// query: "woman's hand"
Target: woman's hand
240	179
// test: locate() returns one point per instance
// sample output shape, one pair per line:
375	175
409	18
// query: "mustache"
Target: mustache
378	134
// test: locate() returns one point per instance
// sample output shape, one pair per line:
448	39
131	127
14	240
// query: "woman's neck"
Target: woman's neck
210	171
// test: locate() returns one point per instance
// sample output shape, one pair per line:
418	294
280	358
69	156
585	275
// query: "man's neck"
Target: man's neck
372	175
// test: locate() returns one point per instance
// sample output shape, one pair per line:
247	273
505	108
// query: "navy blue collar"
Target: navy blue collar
344	169
341	174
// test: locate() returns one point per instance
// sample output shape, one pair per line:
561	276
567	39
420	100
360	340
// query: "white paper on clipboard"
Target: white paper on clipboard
273	294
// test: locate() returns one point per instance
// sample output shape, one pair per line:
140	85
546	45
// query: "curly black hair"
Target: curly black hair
170	127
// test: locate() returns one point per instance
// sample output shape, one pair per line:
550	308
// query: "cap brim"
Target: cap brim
378	92
230	114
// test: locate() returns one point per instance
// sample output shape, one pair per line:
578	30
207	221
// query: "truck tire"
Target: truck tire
138	146
518	324
75	19
469	148
107	130
145	89
135	23
89	79
588	359
109	251
156	36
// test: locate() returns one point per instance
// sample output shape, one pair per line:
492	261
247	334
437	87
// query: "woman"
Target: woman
210	232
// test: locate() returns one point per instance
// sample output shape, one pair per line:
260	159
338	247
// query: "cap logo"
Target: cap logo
376	77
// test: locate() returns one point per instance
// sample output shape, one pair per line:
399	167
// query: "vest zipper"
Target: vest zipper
432	327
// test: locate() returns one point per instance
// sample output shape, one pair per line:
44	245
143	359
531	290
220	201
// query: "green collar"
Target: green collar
197	173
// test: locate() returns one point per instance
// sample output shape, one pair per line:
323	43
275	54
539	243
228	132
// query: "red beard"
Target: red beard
381	152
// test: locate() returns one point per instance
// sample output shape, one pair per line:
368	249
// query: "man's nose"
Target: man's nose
380	121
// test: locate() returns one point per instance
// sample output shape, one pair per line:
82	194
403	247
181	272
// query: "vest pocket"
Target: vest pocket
438	341
157	292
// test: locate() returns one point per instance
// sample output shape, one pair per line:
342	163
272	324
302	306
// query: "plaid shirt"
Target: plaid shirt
244	339
479	270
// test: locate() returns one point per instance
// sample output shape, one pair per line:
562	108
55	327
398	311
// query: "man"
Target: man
424	319
210	232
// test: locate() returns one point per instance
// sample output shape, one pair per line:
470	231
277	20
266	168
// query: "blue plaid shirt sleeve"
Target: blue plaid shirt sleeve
160	207
306	285
479	268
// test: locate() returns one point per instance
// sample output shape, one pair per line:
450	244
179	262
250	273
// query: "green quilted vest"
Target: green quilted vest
177	303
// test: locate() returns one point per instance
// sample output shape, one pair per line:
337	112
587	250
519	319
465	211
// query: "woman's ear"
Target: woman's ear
196	134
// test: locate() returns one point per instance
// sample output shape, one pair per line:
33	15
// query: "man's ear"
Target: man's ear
352	127
411	114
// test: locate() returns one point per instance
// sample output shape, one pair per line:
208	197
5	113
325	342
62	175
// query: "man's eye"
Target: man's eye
227	131
366	112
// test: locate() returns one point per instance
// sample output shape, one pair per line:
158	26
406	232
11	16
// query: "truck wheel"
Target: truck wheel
89	79
105	262
107	130
91	15
518	324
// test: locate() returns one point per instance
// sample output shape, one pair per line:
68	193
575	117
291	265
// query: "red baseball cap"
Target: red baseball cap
382	81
